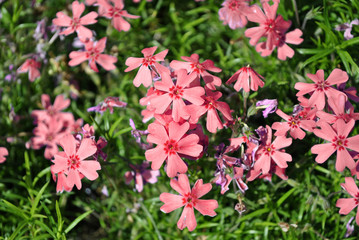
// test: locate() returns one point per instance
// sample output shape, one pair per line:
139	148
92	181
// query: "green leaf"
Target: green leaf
113	127
284	197
17	231
11	208
24	26
349	42
254	214
77	220
46	228
125	130
318	56
37	199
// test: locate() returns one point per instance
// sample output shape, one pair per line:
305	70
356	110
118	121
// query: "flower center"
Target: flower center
321	86
75	23
197	67
73	161
269	149
293	122
339	143
189	200
171	147
234	5
176	92
148	60
269	25
210	103
50	137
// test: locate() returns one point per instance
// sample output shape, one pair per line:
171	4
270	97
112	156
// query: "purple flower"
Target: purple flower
350	228
137	134
270	106
347	28
141	174
108	103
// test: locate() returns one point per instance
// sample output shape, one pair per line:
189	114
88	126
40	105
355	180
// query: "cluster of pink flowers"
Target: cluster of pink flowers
236	13
54	128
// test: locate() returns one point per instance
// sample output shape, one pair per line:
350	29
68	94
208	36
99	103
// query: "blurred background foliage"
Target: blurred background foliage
301	208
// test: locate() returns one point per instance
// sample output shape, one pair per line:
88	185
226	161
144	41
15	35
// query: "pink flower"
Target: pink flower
147	64
3	153
210	106
293	124
92	53
175	93
53	111
346	205
48	135
193	65
338	141
270	26
272	151
189	199
116	13
284	50
72	161
169	144
31	66
141	175
76	23
322	87
234	13
242	78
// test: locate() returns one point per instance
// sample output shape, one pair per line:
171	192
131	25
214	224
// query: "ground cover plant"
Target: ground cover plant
179	119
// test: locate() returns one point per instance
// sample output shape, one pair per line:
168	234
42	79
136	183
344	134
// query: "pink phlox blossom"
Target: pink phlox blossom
170	144
294	124
141	175
346	205
338	142
147	64
338	108
233	13
190	199
76	23
270	26
93	54
48	134
72	161
32	67
149	112
210	106
116	13
284	51
108	103
192	65
53	111
175	93
166	118
321	87
347	28
269	151
3	153
246	78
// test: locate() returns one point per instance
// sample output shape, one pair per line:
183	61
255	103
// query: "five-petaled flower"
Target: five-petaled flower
338	141
346	205
31	66
321	87
92	53
189	199
72	161
169	144
147	64
76	23
242	78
